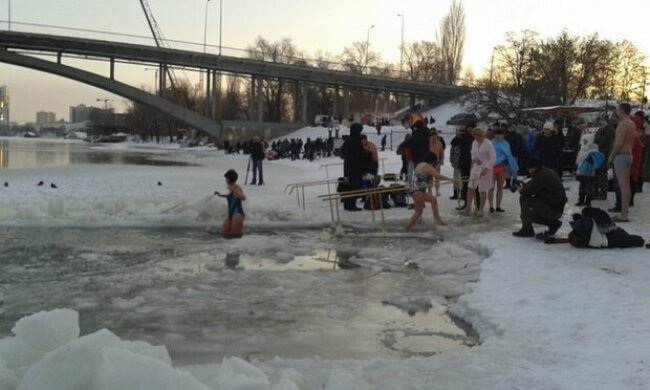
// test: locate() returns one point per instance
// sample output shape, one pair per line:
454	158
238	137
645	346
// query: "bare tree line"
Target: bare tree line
528	71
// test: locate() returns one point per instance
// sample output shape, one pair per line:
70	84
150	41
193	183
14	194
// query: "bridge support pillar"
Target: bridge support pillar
386	101
112	69
296	98
303	106
412	101
208	94
260	100
335	102
346	102
376	96
162	80
216	95
251	101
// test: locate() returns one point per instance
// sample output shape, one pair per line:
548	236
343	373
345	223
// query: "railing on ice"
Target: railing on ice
339	164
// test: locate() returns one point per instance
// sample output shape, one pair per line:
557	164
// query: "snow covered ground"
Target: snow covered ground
548	316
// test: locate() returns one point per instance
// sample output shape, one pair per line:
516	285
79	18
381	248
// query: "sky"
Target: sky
314	25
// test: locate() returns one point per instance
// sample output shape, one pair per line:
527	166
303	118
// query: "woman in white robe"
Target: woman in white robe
481	176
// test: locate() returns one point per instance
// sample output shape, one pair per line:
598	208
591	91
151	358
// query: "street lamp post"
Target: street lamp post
368	44
205	26
9	15
205	39
401	51
220	24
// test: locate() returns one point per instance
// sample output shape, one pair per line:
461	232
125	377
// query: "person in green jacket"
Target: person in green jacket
542	200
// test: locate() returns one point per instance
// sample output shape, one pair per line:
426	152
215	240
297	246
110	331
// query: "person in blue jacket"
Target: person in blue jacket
505	166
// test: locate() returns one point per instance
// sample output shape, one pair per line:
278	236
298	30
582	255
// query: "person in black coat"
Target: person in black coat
356	162
548	148
464	142
419	142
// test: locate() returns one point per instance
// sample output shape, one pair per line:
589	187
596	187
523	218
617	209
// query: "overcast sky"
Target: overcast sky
314	25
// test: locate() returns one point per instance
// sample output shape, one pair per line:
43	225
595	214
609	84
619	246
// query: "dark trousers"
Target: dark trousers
535	210
353	185
464	173
257	168
601	184
587	185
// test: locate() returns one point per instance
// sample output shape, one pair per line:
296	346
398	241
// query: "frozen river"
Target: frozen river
278	292
286	296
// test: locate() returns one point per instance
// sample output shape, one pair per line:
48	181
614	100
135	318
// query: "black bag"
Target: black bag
400	198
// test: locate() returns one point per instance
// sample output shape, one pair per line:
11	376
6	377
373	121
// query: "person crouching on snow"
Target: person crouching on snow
233	225
422	179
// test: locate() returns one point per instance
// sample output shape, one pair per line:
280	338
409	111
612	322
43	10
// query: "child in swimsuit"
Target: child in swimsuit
233	225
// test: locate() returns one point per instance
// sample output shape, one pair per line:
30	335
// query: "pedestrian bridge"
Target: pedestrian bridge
19	48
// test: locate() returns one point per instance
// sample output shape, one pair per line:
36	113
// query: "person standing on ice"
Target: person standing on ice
464	142
542	200
621	158
548	148
356	162
371	149
437	147
233	225
481	176
258	153
505	166
423	177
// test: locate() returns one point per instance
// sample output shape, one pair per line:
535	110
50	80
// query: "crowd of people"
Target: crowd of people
487	161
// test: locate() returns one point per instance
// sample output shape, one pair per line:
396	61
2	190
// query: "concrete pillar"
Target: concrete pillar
208	94
346	102
216	95
162	80
335	102
412	101
376	95
386	101
303	90
296	99
251	102
260	100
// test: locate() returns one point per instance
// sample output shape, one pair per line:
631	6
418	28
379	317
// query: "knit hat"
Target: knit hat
549	126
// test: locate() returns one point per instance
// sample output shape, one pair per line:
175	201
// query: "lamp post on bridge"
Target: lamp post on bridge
401	48
9	15
220	24
205	40
368	45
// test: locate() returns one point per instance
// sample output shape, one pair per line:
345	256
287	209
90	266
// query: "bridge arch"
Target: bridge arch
183	115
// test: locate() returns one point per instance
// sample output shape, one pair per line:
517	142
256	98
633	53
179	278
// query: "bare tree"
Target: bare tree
423	62
359	59
451	37
631	77
276	93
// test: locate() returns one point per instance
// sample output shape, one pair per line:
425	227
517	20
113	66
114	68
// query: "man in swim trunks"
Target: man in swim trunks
621	157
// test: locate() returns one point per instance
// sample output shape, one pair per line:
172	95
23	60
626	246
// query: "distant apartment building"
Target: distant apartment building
80	113
45	117
4	107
